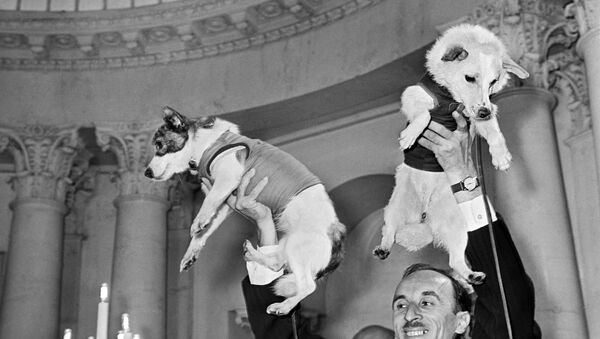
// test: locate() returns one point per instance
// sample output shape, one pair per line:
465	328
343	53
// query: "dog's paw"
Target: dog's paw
476	278
192	253
187	261
381	253
501	158
408	137
279	309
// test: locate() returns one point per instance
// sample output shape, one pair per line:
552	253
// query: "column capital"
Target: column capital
132	145
587	14
43	157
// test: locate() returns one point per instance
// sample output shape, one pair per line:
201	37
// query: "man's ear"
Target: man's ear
512	67
463	318
455	53
174	118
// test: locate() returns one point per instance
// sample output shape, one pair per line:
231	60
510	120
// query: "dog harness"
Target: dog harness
287	176
418	156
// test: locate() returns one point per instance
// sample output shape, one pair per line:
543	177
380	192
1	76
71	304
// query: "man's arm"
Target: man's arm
452	150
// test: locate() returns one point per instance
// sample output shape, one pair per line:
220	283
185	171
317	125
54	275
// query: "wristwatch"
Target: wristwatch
467	184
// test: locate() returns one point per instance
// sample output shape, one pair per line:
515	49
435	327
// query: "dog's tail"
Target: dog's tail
286	286
337	234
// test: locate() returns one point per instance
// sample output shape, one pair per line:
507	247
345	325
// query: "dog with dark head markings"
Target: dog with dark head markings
311	244
465	66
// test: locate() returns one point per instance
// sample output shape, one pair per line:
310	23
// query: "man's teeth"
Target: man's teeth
416	333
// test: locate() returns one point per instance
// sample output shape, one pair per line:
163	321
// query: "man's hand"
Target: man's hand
247	205
453	152
452	149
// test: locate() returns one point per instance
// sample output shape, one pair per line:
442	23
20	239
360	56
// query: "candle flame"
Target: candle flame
104	292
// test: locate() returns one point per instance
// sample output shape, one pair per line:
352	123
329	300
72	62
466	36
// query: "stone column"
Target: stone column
139	276
587	14
43	156
532	199
179	286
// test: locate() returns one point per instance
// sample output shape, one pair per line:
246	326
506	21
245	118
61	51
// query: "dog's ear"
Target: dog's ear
455	53
512	67
207	122
174	118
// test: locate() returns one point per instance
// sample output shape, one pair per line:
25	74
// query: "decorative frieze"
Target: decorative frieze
586	12
131	144
43	156
76	41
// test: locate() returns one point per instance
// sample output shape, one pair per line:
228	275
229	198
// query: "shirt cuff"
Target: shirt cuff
259	274
475	214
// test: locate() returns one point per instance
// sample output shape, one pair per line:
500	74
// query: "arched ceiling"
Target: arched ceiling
76	5
98	34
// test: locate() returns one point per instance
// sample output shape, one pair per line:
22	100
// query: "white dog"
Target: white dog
466	65
312	240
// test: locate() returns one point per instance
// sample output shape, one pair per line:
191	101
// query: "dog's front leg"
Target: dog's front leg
490	130
416	103
227	171
198	241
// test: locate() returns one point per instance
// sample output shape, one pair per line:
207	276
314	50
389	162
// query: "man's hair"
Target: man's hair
462	298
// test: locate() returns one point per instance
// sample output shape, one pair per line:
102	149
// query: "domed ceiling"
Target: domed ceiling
98	34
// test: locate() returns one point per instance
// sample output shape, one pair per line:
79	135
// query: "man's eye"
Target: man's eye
426	303
399	306
493	82
469	78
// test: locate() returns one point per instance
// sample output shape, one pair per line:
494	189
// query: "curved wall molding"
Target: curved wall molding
157	35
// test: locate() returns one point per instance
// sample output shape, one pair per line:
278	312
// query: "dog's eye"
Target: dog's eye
469	78
158	145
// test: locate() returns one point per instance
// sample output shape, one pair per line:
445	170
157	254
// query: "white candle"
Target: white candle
120	335
102	322
125	323
136	336
126	326
68	334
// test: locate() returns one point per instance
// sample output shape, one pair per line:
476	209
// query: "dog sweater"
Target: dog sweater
418	156
287	176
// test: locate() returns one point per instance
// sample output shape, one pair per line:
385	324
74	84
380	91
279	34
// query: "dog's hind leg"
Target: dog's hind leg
450	231
404	206
307	254
273	261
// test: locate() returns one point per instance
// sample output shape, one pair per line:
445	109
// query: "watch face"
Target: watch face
470	183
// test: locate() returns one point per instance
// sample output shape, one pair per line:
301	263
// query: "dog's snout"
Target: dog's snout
148	173
483	113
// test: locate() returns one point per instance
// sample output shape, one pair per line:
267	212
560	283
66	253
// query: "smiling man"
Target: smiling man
430	303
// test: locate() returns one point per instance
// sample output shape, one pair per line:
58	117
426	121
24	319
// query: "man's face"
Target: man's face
424	307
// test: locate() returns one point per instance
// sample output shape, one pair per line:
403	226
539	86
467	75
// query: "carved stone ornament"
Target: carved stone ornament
540	36
586	12
43	157
131	143
178	31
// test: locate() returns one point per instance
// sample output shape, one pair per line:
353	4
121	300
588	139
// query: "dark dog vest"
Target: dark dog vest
418	156
287	176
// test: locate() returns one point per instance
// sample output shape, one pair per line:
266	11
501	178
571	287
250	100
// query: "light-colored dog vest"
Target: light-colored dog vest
287	176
